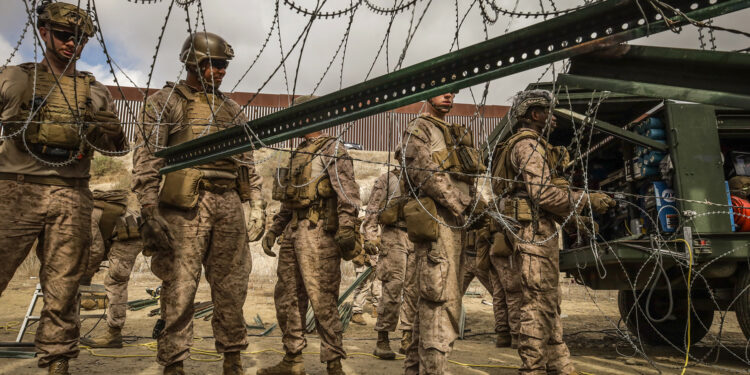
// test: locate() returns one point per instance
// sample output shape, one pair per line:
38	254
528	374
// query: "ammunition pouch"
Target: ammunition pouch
54	136
393	213
126	228
325	210
180	189
519	209
420	215
501	247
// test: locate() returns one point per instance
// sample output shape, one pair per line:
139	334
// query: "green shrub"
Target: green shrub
104	165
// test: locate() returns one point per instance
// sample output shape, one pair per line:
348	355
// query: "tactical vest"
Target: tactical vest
200	120
60	110
296	185
460	155
393	213
507	177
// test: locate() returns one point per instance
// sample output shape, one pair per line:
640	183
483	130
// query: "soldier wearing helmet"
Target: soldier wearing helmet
319	226
439	162
52	118
529	184
193	218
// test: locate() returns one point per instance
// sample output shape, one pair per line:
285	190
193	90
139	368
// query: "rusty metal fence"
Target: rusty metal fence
379	132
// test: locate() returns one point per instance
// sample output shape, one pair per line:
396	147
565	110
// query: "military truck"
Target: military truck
667	162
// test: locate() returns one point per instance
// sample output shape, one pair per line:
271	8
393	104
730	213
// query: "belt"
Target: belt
217	186
46	180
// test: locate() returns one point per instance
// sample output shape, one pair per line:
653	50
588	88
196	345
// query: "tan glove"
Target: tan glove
155	231
346	238
105	132
371	247
255	219
362	260
268	241
601	202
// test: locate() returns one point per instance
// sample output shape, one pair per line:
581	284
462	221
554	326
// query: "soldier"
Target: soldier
318	220
121	254
109	206
524	176
439	160
385	230
370	287
506	299
196	217
54	117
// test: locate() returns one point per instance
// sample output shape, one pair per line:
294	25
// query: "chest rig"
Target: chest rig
60	111
296	185
460	155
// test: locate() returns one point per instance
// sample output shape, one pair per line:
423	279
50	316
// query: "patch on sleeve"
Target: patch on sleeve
416	131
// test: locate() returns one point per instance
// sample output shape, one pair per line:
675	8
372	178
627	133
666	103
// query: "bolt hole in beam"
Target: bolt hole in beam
555	39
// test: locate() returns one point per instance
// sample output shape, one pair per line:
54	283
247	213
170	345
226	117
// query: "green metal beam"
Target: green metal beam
684	92
597	26
612	130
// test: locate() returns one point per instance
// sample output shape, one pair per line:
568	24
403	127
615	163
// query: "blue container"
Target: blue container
656	134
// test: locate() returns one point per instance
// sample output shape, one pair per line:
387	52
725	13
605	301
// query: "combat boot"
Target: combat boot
292	364
334	367
405	341
174	369
111	339
514	341
233	364
59	367
357	318
383	347
503	340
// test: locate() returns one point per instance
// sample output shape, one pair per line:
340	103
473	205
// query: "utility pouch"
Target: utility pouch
420	215
331	222
180	188
391	213
325	189
501	247
471	161
280	182
519	209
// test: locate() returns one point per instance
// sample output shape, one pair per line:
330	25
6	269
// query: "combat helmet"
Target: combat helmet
529	99
67	16
204	45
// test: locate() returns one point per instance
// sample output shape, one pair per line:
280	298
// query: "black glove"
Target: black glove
155	231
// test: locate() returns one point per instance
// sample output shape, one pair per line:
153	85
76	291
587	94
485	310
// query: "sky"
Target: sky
131	32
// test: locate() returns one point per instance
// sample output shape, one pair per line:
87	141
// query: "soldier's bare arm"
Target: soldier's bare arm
528	157
423	171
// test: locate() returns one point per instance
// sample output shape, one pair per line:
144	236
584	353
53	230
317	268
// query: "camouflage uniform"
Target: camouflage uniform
109	206
49	203
211	234
309	258
121	258
426	157
506	298
541	344
371	287
395	252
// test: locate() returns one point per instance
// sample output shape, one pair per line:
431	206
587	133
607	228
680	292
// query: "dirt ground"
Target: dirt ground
589	329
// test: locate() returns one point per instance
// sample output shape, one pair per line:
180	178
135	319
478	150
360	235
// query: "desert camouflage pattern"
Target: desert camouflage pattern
371	289
506	298
121	258
60	218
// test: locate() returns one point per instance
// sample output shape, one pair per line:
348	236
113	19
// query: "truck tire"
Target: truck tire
673	329
742	308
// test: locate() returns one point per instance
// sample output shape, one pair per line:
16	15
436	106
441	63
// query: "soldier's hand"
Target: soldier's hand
255	220
371	247
601	202
105	132
106	122
362	260
155	231
268	242
346	238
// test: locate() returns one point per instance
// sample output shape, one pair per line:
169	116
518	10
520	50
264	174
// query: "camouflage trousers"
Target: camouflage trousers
121	258
309	273
60	219
369	289
541	346
491	281
396	253
97	251
438	273
211	235
507	297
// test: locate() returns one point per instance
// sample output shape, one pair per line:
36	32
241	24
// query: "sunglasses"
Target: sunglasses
66	36
218	64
